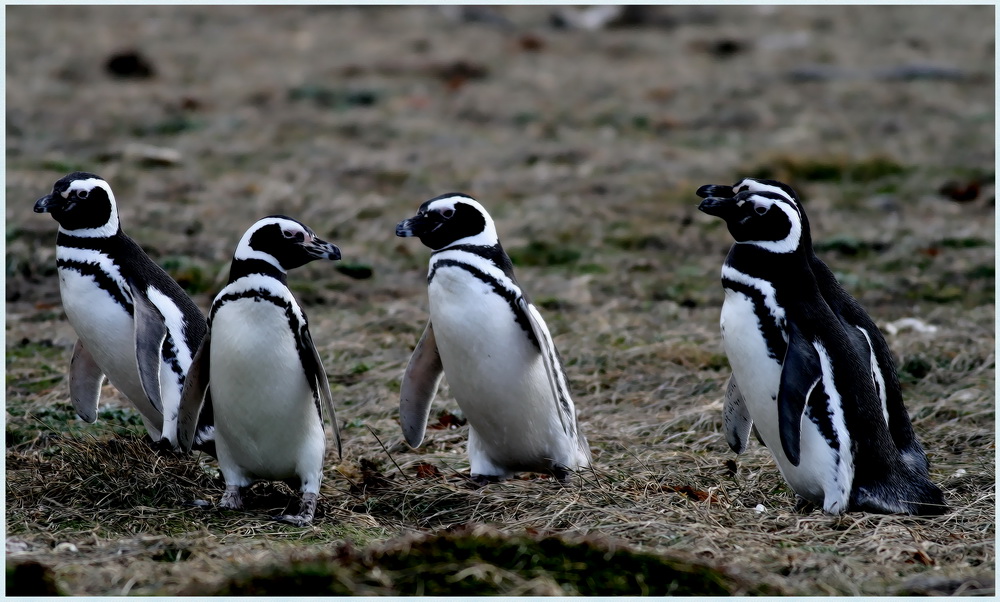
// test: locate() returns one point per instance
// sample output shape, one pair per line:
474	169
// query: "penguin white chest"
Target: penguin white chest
758	374
494	370
265	416
107	331
759	377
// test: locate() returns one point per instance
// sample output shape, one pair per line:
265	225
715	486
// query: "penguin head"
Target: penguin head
283	242
751	184
766	219
449	219
83	204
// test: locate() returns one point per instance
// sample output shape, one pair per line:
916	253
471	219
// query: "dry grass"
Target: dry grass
587	151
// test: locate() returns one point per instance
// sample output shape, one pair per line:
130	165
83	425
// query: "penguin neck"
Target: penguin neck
245	267
70	238
773	267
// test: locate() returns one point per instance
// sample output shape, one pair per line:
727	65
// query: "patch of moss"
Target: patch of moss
193	278
850	246
474	561
828	169
970	242
540	253
325	97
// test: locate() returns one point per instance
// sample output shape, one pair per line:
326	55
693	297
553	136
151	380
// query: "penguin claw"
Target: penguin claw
306	512
297	520
231	499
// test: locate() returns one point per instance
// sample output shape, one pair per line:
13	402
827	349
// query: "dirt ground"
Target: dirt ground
587	147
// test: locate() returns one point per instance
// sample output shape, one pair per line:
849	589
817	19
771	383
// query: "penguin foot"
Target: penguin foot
803	506
482	480
306	512
562	474
231	498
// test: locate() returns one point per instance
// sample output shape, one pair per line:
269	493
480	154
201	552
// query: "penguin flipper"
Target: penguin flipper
800	372
150	332
193	394
420	383
321	387
85	378
736	417
553	370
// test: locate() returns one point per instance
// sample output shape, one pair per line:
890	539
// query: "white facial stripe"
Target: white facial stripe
755	186
108	229
244	251
791	242
488	237
96	257
846	464
174	320
766	289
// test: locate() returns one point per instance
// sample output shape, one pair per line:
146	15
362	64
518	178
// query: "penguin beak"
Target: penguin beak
320	249
418	225
48	203
718	206
720	190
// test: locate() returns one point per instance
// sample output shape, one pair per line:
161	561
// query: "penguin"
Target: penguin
854	317
805	378
263	372
493	345
135	324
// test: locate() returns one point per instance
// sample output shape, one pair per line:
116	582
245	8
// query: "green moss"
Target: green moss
850	246
469	563
193	278
829	169
540	253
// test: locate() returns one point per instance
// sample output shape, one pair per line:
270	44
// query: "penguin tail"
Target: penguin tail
907	494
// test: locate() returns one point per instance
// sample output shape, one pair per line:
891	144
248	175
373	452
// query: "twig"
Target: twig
388	454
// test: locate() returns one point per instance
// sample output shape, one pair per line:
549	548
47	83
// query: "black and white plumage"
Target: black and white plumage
135	324
259	365
811	372
494	347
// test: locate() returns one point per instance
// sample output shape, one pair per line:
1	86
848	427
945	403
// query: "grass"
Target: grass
591	179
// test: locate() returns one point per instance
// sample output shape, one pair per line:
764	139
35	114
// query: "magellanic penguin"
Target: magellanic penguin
261	368
135	324
492	344
805	375
852	316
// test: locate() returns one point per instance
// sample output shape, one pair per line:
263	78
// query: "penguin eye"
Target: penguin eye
760	209
447	213
82	194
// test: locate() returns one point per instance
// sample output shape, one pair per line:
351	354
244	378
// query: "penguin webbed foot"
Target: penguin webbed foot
482	480
164	447
804	506
306	512
231	498
561	474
